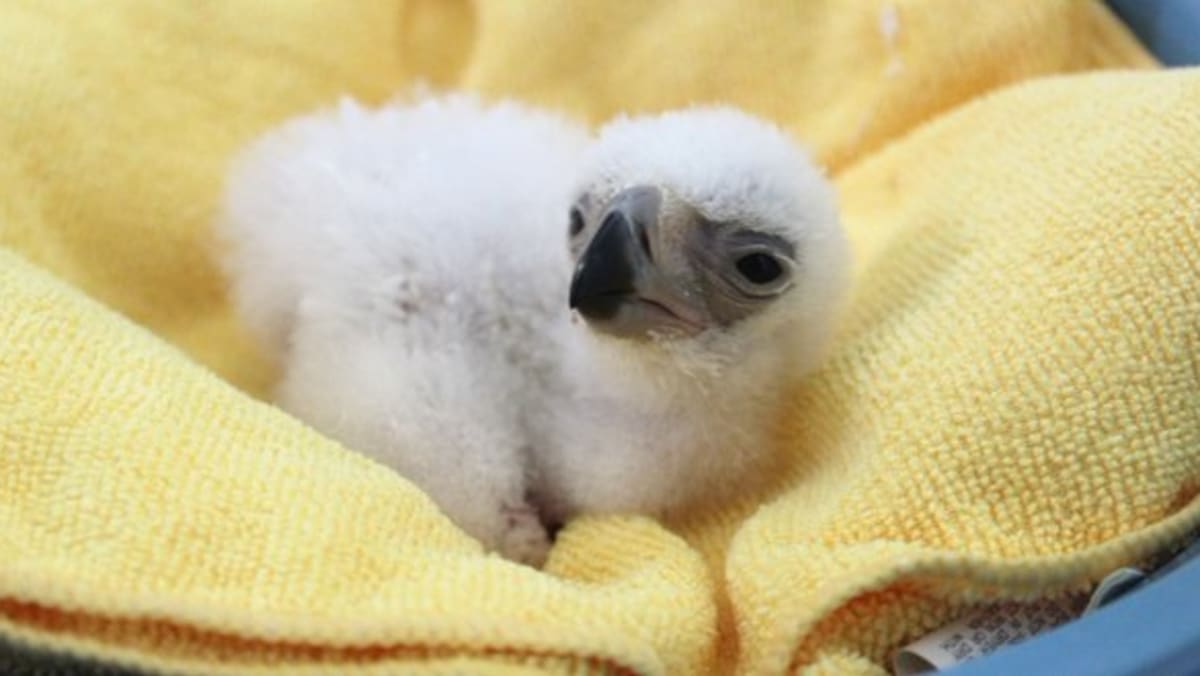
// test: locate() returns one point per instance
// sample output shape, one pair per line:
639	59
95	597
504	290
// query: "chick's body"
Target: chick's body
529	324
406	265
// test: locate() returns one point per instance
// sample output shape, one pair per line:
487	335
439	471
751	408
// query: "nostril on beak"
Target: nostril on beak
643	238
639	207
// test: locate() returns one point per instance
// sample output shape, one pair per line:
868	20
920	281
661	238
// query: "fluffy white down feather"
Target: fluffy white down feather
408	266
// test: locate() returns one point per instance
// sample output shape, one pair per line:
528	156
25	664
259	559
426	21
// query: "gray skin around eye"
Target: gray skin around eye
714	248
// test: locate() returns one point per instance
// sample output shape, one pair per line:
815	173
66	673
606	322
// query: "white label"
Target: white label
982	633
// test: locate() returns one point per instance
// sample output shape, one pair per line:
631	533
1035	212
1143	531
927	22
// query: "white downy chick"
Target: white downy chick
406	265
710	266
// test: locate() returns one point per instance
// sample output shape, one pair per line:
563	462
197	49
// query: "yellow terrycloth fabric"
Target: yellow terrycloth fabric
1012	407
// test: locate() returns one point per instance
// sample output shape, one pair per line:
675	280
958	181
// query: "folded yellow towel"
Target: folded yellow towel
1011	410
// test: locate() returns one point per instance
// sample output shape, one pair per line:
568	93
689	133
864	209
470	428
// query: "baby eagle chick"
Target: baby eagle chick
709	263
525	324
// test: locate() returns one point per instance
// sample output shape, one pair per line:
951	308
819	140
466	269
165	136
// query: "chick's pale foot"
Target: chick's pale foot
524	539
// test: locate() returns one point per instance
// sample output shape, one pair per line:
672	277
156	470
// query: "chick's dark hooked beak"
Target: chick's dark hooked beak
617	284
610	267
605	274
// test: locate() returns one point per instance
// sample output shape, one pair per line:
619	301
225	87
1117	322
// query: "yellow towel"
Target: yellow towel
1011	410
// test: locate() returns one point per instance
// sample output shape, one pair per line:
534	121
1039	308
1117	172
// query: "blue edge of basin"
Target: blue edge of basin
1152	630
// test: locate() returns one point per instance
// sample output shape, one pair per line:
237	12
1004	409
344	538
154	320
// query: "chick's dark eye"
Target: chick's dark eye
576	226
759	268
